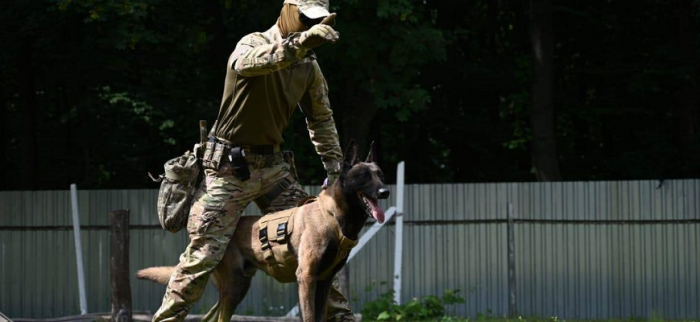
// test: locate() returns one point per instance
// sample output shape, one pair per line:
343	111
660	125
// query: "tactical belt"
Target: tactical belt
238	157
256	149
261	149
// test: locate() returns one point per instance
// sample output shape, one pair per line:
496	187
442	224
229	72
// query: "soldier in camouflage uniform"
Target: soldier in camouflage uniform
268	75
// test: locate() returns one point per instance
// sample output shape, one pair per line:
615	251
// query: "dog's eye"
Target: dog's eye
380	175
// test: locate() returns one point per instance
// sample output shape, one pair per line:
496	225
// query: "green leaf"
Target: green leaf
383	316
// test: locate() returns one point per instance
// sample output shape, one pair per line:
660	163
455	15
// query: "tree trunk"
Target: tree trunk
4	147
544	154
687	108
27	134
119	266
357	115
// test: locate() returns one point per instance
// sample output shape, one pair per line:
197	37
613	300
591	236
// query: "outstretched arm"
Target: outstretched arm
321	125
257	55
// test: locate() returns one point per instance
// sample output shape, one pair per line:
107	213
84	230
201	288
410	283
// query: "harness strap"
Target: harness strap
308	199
265	200
274	230
345	244
264	239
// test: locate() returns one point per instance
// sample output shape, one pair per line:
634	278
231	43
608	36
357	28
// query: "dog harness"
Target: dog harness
345	244
275	230
274	234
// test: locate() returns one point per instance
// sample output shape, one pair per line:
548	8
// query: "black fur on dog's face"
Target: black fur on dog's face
366	181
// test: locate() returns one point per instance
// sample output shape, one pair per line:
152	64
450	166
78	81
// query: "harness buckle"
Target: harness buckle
281	231
262	235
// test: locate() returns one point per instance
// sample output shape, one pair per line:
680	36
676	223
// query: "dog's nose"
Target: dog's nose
384	193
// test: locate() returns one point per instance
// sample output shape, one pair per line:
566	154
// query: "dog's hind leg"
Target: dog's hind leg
232	281
234	293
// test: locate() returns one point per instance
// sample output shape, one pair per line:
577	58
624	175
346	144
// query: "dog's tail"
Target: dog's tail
160	275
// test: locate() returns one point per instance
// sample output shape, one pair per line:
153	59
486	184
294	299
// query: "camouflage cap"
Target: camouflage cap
313	9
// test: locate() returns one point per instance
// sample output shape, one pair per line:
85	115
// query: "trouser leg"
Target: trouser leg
213	218
338	307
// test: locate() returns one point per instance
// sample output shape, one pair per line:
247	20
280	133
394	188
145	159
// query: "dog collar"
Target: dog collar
345	244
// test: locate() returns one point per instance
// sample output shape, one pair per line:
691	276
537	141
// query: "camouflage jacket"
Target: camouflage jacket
267	78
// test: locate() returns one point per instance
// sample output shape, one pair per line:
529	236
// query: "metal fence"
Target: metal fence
586	250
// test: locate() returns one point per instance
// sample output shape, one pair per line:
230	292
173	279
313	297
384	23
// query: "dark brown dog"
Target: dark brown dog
316	246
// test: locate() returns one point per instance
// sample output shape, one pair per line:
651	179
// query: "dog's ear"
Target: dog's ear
351	153
370	156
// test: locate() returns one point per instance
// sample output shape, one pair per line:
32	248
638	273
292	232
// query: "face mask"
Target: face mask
289	20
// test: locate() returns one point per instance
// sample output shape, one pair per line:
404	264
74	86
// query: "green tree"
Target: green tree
100	92
374	74
544	153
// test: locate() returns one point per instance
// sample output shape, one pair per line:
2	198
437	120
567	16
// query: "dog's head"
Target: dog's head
363	183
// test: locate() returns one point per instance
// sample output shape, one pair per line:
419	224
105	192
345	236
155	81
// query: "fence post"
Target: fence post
78	249
119	265
398	243
512	303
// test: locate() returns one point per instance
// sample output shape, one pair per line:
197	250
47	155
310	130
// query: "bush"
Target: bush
427	308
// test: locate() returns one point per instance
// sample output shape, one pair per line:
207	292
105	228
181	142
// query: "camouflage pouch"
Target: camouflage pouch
177	188
213	155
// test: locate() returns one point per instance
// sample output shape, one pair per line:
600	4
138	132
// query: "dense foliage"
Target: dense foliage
427	308
99	92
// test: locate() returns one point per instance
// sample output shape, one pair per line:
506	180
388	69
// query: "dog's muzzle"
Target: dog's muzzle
383	193
371	204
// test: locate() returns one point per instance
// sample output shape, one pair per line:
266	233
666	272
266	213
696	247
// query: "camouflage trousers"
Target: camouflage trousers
221	199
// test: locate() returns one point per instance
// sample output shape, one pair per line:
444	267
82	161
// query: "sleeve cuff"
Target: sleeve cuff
293	45
332	166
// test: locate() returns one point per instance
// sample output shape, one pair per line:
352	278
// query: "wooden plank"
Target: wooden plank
119	266
147	317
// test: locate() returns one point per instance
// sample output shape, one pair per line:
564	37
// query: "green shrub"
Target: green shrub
417	309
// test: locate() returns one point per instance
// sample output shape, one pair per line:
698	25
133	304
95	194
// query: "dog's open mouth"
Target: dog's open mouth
372	207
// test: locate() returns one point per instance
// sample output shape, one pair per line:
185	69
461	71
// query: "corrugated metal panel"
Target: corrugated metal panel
608	271
601	272
568	269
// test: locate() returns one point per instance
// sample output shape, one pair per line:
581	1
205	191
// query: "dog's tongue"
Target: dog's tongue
377	212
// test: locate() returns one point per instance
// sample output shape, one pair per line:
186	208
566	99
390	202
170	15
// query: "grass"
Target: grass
535	319
441	309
